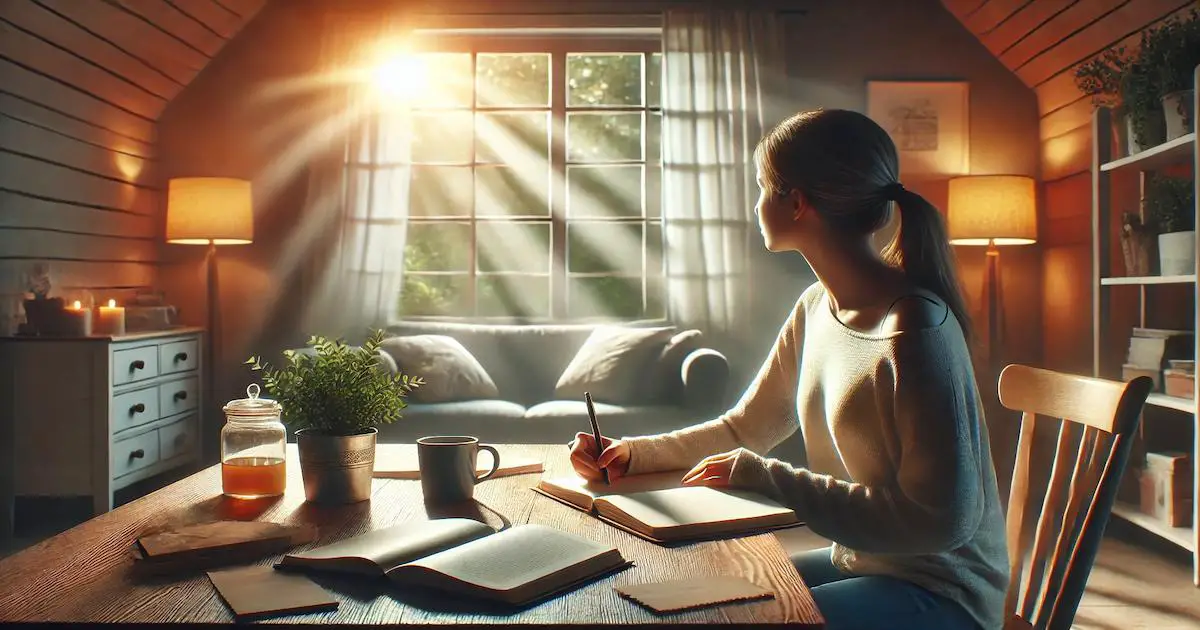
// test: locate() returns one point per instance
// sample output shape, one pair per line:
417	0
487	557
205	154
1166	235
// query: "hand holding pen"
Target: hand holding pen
592	459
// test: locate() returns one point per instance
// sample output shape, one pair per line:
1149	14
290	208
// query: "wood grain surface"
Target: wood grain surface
84	575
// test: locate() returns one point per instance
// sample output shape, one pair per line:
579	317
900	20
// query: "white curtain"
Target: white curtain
719	69
357	194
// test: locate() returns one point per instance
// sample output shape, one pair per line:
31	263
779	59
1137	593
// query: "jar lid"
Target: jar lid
253	405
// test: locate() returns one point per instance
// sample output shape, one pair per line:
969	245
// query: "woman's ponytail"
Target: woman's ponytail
922	249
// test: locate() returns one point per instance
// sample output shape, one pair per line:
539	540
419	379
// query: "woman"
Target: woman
873	366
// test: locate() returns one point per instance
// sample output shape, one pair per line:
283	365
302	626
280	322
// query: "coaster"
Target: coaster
261	591
698	592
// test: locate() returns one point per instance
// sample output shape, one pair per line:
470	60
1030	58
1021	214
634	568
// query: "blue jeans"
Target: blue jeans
875	602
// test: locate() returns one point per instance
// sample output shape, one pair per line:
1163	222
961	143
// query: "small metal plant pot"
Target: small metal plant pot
1177	110
336	468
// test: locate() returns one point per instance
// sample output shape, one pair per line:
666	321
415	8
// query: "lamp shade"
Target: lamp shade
1000	209
203	210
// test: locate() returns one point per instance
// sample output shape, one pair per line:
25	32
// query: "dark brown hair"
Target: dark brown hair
847	168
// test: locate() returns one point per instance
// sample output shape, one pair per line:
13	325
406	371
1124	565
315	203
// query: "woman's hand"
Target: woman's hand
714	470
615	457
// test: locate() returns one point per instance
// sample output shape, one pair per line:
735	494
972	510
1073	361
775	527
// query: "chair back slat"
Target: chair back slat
1110	458
1085	476
1016	512
1048	523
1053	538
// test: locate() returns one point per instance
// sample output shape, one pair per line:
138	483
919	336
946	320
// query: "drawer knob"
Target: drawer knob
180	396
138	408
138	454
182	356
180	439
137	365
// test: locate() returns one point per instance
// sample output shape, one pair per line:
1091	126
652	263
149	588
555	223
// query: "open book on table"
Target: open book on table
516	566
656	507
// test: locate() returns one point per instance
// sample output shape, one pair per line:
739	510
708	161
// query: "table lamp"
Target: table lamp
210	211
992	211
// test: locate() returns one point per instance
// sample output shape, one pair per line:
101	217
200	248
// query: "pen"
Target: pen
587	398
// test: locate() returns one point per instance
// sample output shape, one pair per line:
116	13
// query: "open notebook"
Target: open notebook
657	508
516	566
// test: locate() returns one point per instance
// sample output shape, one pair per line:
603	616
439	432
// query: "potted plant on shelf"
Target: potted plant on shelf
1100	79
1170	205
1143	103
335	395
1172	49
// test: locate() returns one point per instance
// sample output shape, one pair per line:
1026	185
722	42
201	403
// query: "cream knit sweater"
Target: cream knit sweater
899	473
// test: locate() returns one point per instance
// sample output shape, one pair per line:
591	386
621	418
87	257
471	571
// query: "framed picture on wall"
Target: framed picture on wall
928	120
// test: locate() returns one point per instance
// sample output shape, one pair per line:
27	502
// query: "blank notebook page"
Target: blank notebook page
693	505
513	557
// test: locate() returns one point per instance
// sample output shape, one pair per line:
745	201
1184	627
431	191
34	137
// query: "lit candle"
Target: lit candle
111	319
77	320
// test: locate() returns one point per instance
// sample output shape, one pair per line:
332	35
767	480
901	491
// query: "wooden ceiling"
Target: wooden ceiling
133	54
1043	41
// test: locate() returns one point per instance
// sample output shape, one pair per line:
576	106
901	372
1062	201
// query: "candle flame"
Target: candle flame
77	305
112	304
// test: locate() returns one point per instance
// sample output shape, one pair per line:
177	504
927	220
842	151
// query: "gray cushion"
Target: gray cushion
449	370
481	418
567	417
664	382
611	362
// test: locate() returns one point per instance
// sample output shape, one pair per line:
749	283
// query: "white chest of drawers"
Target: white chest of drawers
89	416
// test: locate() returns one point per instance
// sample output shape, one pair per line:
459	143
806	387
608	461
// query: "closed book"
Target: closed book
516	566
206	545
656	507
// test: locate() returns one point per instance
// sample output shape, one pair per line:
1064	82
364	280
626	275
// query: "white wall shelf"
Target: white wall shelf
1140	280
1177	152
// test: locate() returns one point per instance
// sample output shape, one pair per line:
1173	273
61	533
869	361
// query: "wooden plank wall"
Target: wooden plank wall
1043	42
82	84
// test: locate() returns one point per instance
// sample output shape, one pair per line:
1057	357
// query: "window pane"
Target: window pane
598	79
654	80
653	137
513	80
609	296
513	138
442	137
449	83
604	137
425	294
604	191
604	247
654	249
656	297
512	191
440	191
438	247
505	246
516	296
654	200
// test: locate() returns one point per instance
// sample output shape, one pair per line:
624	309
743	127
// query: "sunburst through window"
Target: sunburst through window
535	185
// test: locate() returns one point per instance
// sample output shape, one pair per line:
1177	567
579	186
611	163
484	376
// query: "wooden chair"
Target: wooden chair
1099	419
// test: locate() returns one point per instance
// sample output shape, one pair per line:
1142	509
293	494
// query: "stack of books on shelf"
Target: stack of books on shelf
1152	349
1180	379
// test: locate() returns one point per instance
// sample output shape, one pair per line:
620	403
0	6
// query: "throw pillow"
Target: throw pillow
662	383
449	369
611	362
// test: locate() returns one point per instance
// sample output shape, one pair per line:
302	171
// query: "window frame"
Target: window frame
558	46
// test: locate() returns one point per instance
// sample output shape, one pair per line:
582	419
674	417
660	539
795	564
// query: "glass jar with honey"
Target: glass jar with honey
253	446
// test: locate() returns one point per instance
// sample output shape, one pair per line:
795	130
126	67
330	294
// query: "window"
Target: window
535	183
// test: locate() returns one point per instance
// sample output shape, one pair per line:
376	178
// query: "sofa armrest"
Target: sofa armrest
705	374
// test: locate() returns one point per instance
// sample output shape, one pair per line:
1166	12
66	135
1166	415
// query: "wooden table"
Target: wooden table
84	574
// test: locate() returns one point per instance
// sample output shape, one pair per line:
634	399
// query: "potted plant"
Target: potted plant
1170	206
335	395
1100	79
1143	103
1172	49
